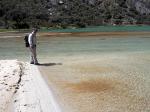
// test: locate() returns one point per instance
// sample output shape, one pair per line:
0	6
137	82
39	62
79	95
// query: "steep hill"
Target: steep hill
79	13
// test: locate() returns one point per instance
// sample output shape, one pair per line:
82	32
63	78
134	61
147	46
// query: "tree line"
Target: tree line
19	14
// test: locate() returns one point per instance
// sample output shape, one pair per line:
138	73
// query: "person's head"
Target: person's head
35	30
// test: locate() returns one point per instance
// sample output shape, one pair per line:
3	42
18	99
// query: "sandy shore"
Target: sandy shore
12	34
10	75
22	89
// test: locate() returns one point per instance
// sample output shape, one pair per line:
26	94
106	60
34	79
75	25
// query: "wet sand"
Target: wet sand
101	83
12	34
85	34
72	34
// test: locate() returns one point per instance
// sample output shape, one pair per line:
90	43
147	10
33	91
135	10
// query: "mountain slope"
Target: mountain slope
63	13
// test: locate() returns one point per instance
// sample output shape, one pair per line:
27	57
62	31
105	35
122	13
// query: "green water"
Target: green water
101	29
13	48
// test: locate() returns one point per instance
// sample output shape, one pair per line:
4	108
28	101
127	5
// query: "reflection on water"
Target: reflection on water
13	48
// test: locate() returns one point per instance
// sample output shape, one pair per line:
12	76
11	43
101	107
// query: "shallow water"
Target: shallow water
98	73
106	73
50	47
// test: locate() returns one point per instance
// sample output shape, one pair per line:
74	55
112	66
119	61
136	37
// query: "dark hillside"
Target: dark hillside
78	13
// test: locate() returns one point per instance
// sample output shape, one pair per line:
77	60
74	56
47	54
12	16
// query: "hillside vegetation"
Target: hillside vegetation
72	13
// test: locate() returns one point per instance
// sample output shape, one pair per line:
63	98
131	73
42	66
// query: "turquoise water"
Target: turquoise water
101	29
13	48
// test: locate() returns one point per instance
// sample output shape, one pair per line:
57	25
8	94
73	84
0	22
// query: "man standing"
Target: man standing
32	46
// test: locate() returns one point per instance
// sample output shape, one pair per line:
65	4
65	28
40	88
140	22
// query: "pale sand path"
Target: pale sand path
34	95
101	83
22	89
10	75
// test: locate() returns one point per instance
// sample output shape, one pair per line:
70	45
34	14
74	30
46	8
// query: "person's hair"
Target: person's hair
35	29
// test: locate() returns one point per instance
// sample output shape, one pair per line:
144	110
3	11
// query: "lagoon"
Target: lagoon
49	47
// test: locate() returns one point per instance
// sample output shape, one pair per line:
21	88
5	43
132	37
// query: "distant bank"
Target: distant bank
88	31
128	28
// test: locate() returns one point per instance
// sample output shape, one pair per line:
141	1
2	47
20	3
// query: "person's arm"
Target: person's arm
30	40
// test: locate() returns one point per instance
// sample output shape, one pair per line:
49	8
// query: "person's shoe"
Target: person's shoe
31	62
36	64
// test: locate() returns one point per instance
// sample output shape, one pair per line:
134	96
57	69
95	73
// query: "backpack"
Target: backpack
26	40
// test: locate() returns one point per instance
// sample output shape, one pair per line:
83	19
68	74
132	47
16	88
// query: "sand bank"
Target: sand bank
10	76
12	34
85	34
23	89
75	34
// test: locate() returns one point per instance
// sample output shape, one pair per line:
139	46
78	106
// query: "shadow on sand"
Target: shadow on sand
49	64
